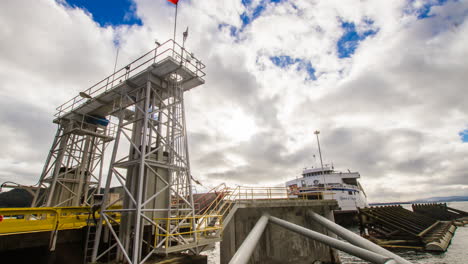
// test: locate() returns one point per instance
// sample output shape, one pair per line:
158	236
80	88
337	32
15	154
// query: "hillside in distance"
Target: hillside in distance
442	199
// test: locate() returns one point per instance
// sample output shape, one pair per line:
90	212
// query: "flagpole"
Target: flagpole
175	22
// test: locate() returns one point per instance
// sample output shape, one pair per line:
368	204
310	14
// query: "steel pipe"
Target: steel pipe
355	239
334	243
244	252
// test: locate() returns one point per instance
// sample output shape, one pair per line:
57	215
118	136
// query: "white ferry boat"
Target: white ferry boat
326	183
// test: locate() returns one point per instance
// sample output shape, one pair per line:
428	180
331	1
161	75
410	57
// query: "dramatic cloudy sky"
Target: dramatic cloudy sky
384	81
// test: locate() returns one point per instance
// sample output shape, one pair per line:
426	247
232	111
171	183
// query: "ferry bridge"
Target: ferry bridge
140	208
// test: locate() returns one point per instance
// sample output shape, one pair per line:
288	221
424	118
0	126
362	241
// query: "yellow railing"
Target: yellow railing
228	196
183	226
24	220
187	227
41	219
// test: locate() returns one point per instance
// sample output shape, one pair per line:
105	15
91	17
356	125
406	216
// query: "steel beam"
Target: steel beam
335	243
244	252
354	238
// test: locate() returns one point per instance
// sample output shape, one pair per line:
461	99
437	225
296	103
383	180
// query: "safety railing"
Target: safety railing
297	192
97	125
21	220
226	197
41	219
202	203
206	225
169	48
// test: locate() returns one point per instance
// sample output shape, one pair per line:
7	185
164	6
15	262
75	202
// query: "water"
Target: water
456	253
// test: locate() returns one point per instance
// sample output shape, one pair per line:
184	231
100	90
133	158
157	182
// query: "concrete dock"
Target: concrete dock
277	244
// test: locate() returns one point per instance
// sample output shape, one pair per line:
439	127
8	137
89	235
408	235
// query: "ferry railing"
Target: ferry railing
170	48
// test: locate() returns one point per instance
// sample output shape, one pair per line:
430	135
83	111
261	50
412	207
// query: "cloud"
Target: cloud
392	108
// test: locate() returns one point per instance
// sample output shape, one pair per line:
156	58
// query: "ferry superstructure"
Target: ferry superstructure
326	183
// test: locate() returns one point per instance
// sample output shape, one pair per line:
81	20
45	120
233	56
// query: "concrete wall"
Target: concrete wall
277	244
34	248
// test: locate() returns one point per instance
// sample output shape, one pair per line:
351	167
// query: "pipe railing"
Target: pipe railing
170	48
356	245
355	239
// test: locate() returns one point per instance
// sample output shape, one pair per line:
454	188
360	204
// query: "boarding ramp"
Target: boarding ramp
441	211
395	226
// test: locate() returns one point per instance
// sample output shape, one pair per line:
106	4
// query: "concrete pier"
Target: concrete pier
34	247
277	244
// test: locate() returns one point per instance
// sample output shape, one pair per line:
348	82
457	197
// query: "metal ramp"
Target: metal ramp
440	211
394	226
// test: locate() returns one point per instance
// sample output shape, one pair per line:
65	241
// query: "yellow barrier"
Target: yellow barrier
40	219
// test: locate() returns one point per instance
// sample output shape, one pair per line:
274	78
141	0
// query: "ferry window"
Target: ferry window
303	183
350	192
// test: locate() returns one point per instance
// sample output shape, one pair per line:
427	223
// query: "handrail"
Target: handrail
226	198
171	49
41	219
354	238
217	191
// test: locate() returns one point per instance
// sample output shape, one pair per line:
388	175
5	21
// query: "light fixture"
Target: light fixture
85	95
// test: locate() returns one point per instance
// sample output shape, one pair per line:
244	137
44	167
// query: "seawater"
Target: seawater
457	252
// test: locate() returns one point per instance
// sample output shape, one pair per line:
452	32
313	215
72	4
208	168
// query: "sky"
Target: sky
383	81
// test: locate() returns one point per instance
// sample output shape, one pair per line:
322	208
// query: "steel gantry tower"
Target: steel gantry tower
155	172
73	168
138	112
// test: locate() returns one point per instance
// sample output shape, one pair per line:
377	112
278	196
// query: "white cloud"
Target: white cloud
392	111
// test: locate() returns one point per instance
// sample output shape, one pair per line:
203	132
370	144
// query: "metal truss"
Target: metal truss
73	169
154	174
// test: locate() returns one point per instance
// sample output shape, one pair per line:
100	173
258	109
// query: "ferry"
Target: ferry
326	183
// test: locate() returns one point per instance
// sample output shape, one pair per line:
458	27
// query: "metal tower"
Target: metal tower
73	168
150	161
149	165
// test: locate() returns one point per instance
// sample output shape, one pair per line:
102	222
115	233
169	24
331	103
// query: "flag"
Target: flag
185	34
173	1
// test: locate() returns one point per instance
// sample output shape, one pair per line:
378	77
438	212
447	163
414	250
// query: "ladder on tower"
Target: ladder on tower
89	243
111	251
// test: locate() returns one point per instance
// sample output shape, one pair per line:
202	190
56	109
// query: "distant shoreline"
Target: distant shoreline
417	202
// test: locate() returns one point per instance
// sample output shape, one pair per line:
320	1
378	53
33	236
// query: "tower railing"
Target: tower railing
168	49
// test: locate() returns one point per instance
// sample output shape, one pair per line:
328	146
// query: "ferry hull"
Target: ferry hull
346	218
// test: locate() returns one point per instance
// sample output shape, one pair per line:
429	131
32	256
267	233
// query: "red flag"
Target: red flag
173	1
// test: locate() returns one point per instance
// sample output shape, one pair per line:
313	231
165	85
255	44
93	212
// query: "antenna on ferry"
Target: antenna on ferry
320	154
